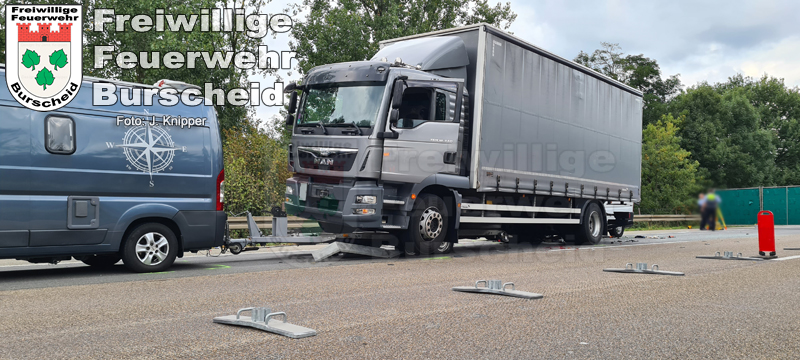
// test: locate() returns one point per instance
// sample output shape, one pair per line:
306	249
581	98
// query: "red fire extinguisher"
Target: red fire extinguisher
766	233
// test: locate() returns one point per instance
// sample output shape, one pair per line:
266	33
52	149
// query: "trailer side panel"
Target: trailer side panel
550	128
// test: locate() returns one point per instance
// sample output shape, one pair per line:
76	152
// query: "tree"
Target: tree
636	71
669	175
230	117
255	170
349	30
723	132
778	109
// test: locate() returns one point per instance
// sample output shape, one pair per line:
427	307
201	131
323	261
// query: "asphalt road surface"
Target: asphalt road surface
404	308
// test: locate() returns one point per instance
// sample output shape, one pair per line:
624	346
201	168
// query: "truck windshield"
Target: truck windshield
341	106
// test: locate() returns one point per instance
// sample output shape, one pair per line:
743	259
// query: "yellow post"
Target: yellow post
720	218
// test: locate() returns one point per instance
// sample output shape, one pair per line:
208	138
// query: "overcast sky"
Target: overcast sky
700	40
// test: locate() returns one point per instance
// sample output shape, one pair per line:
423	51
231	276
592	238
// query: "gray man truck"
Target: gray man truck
464	133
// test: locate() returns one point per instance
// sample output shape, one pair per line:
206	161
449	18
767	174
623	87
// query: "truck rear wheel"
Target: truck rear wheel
428	227
616	231
590	231
150	247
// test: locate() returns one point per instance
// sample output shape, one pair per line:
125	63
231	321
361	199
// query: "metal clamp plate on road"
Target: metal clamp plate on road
497	287
263	319
348	248
641	268
728	255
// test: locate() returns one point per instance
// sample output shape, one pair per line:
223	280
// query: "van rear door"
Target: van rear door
15	162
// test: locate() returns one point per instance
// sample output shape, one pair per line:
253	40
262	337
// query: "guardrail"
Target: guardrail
265	222
665	218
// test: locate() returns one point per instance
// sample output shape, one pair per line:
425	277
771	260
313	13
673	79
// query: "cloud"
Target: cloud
701	40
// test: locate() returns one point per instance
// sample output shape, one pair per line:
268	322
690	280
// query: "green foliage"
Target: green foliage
255	170
778	112
30	59
44	77
669	175
230	117
723	132
58	59
636	71
349	30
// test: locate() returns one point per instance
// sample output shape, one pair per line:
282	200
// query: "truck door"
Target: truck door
427	128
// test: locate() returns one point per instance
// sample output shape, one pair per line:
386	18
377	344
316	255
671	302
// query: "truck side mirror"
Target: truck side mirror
397	95
289	120
394	116
293	102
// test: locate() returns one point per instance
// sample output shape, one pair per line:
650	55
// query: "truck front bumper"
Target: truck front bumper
336	203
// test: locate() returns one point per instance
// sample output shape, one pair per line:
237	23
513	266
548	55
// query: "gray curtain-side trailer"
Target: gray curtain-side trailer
546	125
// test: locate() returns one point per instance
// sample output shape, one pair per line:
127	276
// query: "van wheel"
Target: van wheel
101	261
616	231
150	247
428	227
591	228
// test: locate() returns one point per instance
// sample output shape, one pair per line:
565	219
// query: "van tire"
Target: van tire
590	231
427	228
101	261
146	244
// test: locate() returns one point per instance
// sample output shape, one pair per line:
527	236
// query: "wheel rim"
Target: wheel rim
594	224
152	248
444	246
431	223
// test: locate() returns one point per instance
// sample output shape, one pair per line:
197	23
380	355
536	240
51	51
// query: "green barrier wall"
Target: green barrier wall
741	206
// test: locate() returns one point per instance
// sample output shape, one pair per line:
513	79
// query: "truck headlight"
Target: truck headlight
364	211
366	199
289	190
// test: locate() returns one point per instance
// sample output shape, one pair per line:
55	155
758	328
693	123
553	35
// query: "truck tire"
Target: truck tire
101	261
590	231
427	228
150	247
616	231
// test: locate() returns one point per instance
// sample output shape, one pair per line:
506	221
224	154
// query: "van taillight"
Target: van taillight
221	191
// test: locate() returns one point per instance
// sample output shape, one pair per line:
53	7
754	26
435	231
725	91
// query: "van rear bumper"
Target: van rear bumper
201	229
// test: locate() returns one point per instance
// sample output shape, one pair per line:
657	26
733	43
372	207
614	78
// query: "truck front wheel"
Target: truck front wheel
590	231
428	227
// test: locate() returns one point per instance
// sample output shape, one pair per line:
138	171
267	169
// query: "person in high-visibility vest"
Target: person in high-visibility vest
701	202
710	209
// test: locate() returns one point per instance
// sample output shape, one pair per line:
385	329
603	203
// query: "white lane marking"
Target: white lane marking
787	258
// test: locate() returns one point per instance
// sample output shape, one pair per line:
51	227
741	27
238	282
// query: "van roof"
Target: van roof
115	82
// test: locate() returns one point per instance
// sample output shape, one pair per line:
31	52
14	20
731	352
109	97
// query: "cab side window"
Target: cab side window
445	106
421	105
416	108
59	135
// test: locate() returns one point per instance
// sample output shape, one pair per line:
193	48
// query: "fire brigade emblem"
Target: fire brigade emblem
44	59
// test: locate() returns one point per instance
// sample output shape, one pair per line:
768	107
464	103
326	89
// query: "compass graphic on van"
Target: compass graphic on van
148	149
